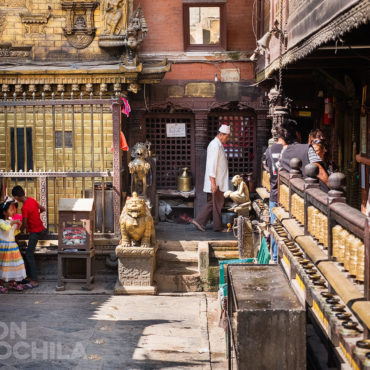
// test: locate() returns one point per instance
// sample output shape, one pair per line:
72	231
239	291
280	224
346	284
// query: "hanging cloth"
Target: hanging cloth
126	109
122	143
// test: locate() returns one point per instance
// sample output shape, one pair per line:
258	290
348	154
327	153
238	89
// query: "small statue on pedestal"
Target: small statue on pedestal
139	168
240	197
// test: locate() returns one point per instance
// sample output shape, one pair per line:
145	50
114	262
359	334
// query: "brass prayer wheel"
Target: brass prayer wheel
266	180
184	181
315	223
360	269
347	250
353	258
301	210
310	219
298	208
284	196
343	235
336	236
325	231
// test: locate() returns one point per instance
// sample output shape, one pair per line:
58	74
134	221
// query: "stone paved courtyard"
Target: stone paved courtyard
51	331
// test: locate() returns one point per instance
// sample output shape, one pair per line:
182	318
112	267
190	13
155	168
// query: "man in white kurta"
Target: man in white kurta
216	181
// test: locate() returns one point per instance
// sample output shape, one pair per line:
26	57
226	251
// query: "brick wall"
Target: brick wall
207	71
164	18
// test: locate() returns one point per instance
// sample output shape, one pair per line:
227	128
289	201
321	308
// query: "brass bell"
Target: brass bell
184	181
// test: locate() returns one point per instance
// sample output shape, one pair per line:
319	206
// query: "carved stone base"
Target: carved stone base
135	270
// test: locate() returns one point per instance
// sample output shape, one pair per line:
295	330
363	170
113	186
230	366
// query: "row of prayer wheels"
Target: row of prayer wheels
350	251
318	225
266	180
297	208
284	196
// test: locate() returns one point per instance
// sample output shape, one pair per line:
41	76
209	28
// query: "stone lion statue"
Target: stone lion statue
137	226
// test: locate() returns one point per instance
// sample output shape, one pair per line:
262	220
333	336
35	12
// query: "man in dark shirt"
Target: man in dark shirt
272	160
292	149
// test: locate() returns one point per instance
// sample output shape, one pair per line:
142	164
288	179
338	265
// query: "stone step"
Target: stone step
177	256
177	279
224	255
178	245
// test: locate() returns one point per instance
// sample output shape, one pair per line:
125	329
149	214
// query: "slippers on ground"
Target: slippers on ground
200	228
3	290
15	286
223	231
29	286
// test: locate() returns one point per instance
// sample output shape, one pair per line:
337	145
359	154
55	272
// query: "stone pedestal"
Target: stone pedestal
135	270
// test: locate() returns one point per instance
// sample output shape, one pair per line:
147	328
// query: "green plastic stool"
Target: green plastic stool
264	255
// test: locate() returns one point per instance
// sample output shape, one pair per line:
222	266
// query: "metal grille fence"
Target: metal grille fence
240	149
173	153
61	149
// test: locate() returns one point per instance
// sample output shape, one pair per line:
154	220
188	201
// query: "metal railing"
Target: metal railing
322	213
61	148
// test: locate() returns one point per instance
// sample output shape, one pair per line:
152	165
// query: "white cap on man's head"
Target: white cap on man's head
224	129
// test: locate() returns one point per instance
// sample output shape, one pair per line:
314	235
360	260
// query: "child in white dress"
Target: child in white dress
11	262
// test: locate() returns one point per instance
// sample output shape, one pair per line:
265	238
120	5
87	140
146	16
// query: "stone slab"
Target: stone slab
268	320
108	332
134	290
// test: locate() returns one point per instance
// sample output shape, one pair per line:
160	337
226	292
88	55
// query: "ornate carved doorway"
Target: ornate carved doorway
172	139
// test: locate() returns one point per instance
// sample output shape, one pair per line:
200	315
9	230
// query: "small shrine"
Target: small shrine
76	239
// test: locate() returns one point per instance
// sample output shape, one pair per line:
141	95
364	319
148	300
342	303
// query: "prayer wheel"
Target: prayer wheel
336	233
301	210
347	250
343	235
284	196
353	259
266	180
360	270
315	223
310	219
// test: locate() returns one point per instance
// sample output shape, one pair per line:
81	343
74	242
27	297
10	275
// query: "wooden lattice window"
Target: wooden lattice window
241	148
23	146
172	139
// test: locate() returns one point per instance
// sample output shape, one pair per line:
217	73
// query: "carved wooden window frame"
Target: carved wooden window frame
204	47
